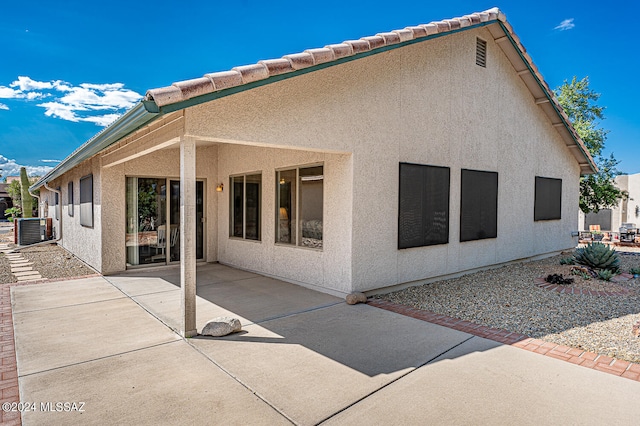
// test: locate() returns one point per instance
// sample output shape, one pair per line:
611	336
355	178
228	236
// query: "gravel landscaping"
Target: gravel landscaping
51	260
508	298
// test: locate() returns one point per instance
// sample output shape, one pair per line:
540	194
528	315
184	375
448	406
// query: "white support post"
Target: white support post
188	235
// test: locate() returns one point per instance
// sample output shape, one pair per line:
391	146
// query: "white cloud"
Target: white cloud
35	95
9	93
9	167
50	161
102	120
567	24
3	106
89	102
26	84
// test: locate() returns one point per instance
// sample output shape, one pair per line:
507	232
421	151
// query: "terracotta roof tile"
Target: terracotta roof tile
165	95
321	55
341	50
251	73
359	46
443	26
277	66
464	22
374	41
389	38
474	17
196	87
454	24
431	28
405	34
417	31
300	60
225	79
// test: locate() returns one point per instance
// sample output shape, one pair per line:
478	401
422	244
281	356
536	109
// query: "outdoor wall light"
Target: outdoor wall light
220	187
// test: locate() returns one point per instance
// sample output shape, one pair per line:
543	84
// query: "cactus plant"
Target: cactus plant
599	256
605	274
27	206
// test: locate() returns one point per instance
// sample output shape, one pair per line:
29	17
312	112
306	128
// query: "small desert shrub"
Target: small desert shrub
598	256
605	274
634	271
567	261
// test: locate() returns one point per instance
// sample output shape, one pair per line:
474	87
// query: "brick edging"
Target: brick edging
9	387
579	357
8	368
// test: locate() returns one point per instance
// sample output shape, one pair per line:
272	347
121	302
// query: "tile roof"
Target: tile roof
238	76
186	93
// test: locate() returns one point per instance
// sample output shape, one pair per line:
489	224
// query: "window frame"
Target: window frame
424	215
538	214
70	198
296	214
486	206
85	221
244	206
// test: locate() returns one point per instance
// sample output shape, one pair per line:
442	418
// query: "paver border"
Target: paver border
9	387
594	361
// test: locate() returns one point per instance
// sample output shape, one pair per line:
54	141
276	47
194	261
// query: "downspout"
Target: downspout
35	196
59	204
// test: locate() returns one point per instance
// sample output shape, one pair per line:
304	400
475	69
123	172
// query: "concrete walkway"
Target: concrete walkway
303	357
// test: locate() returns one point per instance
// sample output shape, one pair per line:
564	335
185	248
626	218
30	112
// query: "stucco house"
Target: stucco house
408	155
627	211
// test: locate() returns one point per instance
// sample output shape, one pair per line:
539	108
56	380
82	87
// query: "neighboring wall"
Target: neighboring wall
425	103
627	211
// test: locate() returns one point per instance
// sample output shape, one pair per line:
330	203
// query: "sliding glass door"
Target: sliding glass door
153	221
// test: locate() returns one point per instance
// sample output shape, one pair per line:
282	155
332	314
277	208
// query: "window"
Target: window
478	205
548	199
299	211
245	206
70	198
56	206
423	213
86	201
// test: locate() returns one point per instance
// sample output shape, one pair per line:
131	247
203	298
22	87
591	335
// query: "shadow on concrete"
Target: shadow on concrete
369	340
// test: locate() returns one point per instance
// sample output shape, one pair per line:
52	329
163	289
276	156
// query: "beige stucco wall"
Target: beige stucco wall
162	163
329	268
426	103
82	241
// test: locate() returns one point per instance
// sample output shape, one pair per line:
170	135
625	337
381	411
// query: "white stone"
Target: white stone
221	326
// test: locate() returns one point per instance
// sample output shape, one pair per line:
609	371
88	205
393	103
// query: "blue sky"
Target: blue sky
69	68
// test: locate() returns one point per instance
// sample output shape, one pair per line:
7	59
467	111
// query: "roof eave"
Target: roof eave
132	120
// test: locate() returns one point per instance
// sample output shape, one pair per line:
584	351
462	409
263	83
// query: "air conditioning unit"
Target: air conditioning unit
30	231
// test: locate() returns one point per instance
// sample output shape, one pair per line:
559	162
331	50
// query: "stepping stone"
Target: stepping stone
29	278
21	269
24	273
19	264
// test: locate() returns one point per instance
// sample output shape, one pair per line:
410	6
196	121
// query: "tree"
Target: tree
27	199
597	191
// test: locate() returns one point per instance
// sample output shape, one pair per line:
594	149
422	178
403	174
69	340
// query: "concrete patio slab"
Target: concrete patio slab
484	382
49	338
149	386
316	363
55	295
138	285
